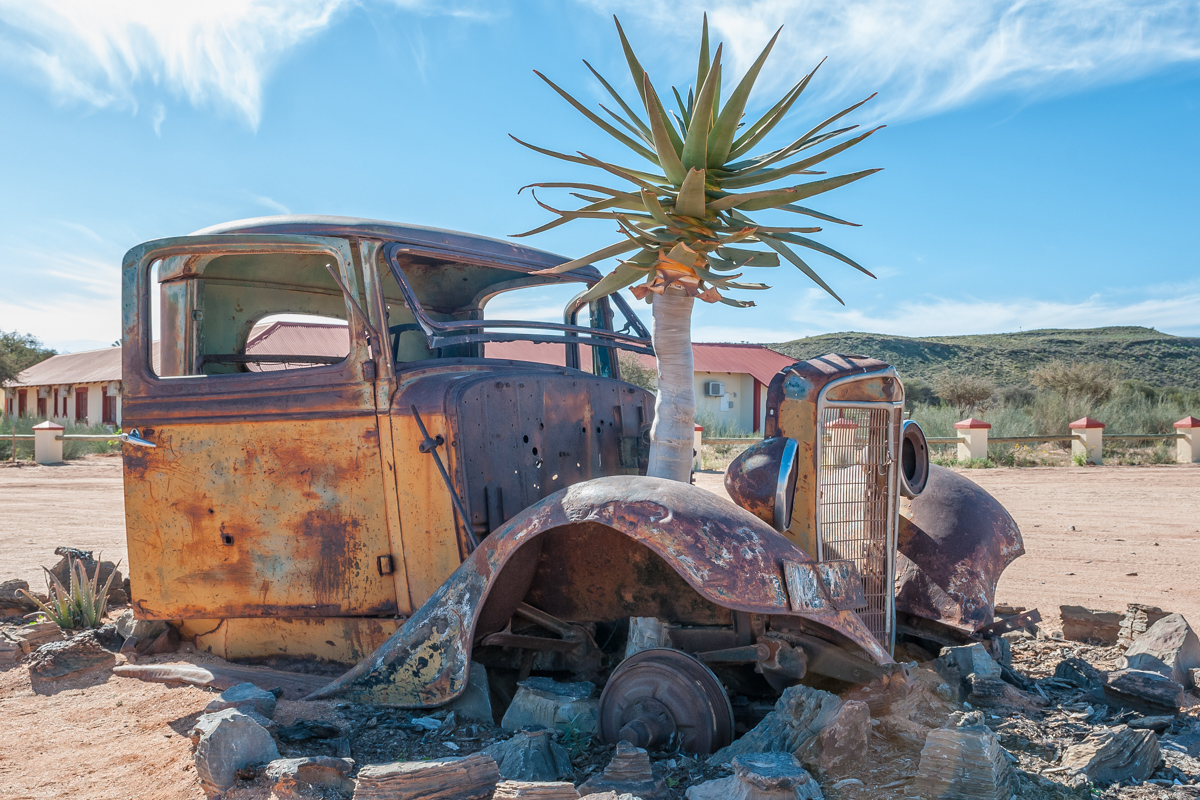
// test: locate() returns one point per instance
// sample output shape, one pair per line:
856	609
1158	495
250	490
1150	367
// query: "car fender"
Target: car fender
954	541
725	553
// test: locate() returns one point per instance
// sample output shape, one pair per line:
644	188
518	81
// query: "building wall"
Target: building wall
735	408
59	396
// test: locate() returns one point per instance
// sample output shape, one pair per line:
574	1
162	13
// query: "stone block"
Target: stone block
145	630
475	703
1137	620
799	715
1169	647
629	772
535	790
1086	625
471	778
1114	754
296	777
245	697
228	741
841	746
546	703
31	637
763	776
62	572
81	656
531	756
11	599
964	761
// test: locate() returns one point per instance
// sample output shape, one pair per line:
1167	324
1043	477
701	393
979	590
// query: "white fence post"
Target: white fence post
974	439
696	445
1088	441
47	447
1187	446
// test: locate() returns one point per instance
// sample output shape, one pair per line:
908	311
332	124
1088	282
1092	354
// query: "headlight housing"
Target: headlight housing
762	480
914	459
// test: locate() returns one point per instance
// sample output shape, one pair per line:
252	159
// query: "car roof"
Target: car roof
469	245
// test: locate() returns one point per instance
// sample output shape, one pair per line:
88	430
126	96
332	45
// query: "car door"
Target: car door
263	493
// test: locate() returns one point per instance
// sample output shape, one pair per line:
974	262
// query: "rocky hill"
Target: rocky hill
1141	354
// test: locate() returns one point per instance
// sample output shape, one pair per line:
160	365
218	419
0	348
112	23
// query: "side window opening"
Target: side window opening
237	314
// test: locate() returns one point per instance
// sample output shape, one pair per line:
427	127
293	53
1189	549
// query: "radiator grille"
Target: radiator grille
853	509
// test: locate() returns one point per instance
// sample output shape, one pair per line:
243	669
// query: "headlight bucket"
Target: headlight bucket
762	480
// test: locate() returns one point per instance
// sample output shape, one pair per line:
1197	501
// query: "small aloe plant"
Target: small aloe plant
80	604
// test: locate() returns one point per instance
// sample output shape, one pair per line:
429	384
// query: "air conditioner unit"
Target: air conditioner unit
714	388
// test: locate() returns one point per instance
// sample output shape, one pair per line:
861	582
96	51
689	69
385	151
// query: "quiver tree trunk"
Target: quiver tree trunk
675	407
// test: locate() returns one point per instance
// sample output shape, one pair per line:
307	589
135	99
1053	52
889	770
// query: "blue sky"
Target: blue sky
1041	158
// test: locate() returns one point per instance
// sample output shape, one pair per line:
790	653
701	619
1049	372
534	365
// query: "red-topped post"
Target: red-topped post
697	439
1187	446
973	439
1088	441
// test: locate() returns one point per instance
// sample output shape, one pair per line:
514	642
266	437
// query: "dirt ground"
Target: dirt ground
1143	520
78	504
124	738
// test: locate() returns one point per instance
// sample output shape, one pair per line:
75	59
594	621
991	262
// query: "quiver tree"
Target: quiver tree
684	221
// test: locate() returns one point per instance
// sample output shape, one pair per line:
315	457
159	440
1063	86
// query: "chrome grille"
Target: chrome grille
855	511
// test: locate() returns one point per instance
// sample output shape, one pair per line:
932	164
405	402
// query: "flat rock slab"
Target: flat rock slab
629	772
763	776
1150	688
471	778
295	685
531	756
1115	754
227	741
80	656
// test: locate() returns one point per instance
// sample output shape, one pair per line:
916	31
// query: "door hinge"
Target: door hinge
386	565
368	370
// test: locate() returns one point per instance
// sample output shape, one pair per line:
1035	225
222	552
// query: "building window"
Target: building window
81	398
41	405
110	409
22	399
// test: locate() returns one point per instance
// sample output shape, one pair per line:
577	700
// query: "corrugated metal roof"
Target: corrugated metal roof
322	339
751	359
89	366
299	338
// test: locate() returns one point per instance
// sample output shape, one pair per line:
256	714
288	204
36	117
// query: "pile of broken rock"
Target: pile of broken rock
1025	715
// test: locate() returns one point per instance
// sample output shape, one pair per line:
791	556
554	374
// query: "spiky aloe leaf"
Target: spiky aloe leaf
721	137
679	226
695	146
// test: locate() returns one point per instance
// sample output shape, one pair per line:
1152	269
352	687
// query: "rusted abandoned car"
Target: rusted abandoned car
411	505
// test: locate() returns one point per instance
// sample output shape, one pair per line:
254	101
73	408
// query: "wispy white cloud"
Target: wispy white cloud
270	203
927	56
215	54
1175	312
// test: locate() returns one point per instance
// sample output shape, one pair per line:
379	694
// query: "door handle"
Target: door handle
135	437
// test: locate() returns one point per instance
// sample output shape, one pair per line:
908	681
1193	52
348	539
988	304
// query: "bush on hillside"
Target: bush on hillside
1087	383
967	393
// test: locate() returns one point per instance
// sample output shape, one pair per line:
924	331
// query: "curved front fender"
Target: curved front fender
955	540
726	554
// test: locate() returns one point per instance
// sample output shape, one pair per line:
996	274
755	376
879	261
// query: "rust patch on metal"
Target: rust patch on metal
726	555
